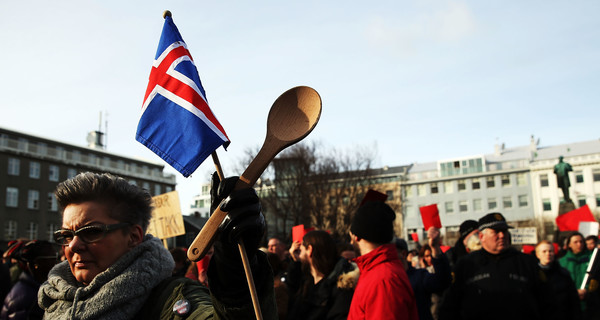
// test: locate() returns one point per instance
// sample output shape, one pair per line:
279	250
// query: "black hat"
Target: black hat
374	222
494	220
467	227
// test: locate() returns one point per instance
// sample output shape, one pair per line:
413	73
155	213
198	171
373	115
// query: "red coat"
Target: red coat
383	290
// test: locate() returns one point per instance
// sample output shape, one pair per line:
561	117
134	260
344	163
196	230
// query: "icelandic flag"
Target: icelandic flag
177	123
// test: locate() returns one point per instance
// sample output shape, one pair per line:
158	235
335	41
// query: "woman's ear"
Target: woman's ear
136	235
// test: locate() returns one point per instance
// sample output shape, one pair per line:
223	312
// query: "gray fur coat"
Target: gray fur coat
117	293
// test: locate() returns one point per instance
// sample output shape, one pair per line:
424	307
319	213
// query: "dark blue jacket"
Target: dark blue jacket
425	283
21	301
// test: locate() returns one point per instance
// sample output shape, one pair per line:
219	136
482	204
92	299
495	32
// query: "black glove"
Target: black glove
244	219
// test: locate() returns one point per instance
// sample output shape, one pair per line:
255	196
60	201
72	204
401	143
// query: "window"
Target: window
476	204
14	166
71	173
581	201
34	170
32	230
449	206
505	180
53	173
133	182
521	181
50	231
420	190
448	187
434	188
409	211
492	203
462	206
543	180
506	202
578	177
12	197
168	189
156	189
42	148
146	185
390	194
523	202
598	200
52	204
489	182
596	175
546	205
476	185
10	229
76	155
462	185
33	200
22	145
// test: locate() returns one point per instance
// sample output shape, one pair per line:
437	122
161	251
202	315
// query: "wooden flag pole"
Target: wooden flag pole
243	254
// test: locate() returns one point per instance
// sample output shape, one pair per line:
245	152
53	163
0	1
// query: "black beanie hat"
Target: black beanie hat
374	222
467	226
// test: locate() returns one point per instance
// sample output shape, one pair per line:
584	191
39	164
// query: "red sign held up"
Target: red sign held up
570	220
430	216
298	232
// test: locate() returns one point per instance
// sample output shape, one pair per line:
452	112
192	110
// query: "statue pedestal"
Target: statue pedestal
565	207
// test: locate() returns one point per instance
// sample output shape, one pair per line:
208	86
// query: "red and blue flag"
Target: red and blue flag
177	123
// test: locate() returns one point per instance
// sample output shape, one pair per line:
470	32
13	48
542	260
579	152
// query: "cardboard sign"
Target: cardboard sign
430	216
298	232
588	228
166	221
523	235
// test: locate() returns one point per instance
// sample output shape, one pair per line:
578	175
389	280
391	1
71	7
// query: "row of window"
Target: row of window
14	169
578	177
476	205
581	201
43	149
461	185
10	230
33	197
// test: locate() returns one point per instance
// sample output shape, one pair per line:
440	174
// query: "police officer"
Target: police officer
497	281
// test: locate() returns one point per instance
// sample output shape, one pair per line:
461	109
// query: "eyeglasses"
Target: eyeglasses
88	234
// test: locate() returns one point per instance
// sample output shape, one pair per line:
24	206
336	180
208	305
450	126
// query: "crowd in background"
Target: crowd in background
373	275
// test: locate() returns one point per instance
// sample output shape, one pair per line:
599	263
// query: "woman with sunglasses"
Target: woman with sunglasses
114	270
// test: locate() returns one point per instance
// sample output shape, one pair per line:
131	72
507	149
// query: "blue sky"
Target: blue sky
417	81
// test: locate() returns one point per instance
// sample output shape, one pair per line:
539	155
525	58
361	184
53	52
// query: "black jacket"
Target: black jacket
564	291
508	285
329	299
425	283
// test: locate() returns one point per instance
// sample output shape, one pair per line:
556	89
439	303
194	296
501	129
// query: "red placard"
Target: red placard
570	220
298	232
430	216
415	237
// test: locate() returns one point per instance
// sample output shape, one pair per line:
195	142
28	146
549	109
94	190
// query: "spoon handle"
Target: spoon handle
207	235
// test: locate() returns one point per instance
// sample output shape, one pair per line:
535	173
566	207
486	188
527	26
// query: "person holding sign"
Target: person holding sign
114	270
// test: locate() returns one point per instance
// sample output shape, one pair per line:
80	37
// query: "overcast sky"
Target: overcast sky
419	80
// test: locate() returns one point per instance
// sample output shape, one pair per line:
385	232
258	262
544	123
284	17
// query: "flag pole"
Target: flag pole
242	249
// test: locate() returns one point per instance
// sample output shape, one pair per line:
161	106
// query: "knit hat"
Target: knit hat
494	220
374	222
467	227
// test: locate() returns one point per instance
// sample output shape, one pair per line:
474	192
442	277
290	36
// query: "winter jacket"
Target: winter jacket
576	264
21	301
424	284
508	285
564	291
328	299
383	290
134	287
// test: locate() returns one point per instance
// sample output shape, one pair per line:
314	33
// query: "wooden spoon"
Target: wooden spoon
291	118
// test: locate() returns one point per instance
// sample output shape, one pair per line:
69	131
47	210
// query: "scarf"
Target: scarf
119	292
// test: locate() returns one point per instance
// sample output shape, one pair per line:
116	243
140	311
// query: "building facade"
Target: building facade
518	182
32	166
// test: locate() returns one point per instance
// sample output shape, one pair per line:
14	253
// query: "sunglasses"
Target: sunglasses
88	234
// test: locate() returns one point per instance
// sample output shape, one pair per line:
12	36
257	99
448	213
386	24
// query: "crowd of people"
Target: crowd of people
103	265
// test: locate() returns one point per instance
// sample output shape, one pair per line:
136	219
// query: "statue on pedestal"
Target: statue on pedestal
561	169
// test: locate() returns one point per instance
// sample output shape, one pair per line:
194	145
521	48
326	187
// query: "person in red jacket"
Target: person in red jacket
383	290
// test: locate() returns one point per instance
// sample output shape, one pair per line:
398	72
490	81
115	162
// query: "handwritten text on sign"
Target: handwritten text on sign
523	235
166	221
